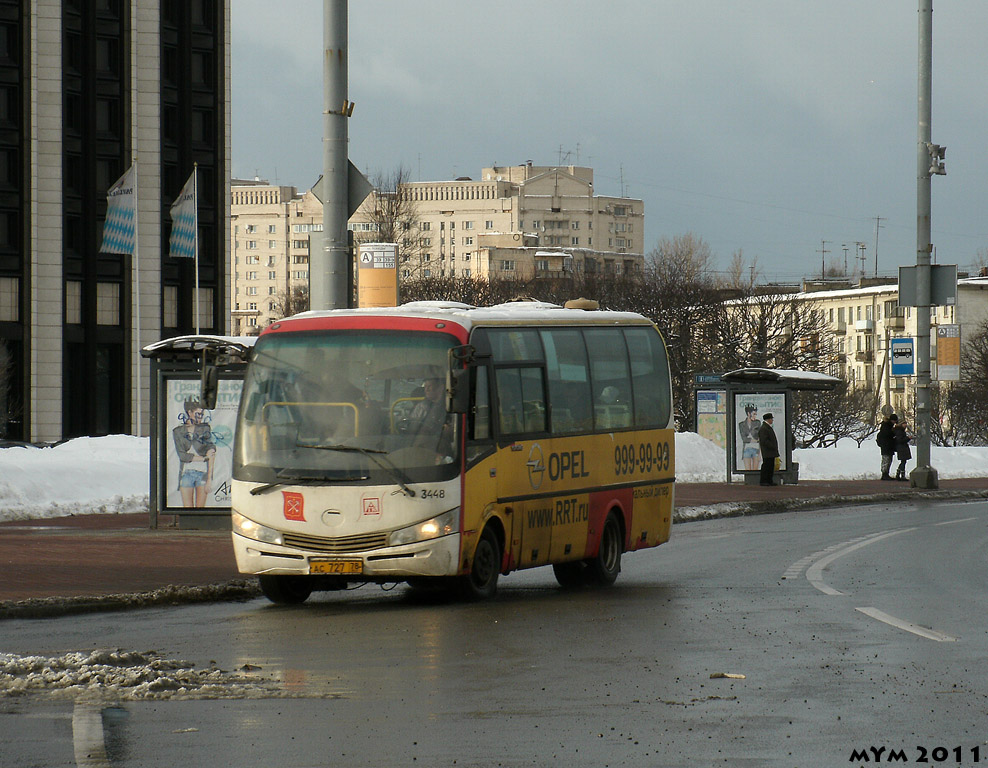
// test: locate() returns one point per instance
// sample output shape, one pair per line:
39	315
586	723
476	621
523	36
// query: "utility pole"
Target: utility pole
928	156
844	246
823	259
861	255
878	224
329	281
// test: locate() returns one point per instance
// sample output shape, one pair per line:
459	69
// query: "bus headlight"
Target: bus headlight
441	525
251	530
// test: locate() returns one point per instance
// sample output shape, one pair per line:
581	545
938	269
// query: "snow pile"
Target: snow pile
82	476
130	675
110	474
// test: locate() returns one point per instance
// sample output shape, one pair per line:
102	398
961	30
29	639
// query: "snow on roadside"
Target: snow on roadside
110	474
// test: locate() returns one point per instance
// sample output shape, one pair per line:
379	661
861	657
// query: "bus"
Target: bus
445	445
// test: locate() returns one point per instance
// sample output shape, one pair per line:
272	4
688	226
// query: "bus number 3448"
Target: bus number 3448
644	458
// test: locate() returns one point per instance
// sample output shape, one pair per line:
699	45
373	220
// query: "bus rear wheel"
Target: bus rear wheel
603	570
286	590
481	584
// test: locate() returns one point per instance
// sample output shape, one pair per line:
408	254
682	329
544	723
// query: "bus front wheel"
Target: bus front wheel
286	590
603	570
481	584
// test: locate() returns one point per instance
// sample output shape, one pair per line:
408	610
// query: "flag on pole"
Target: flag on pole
121	214
185	222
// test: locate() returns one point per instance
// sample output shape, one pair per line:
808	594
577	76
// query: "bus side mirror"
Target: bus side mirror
458	379
208	383
458	390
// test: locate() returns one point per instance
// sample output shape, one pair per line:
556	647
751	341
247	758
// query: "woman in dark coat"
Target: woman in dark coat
901	438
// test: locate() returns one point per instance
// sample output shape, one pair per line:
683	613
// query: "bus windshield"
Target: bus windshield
347	406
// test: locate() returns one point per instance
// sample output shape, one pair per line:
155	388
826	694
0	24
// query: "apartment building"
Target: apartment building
497	224
88	87
270	232
862	320
516	221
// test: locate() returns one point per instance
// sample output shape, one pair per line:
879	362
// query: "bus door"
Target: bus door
522	480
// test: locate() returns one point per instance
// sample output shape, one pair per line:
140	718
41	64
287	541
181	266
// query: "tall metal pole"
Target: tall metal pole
924	475
328	281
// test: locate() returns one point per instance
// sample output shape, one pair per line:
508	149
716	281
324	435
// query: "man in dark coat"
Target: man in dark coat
769	444
886	443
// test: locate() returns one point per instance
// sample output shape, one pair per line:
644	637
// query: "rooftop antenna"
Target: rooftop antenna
844	246
878	225
823	259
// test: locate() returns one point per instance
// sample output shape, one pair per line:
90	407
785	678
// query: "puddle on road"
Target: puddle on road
137	676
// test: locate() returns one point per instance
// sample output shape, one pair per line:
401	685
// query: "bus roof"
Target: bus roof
465	315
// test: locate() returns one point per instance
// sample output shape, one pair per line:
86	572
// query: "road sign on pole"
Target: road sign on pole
903	357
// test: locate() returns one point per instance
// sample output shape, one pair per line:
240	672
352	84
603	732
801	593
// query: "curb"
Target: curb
743	509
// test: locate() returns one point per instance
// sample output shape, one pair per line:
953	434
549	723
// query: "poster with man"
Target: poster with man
198	445
749	408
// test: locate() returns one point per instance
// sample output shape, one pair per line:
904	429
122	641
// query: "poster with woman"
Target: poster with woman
749	408
199	445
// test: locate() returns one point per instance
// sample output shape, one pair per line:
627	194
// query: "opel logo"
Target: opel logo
536	466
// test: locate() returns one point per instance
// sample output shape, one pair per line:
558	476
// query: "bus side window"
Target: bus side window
649	376
569	381
611	378
521	399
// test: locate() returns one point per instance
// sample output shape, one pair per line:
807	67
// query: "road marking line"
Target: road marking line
814	574
930	634
951	522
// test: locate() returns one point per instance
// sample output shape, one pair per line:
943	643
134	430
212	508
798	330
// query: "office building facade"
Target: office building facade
89	88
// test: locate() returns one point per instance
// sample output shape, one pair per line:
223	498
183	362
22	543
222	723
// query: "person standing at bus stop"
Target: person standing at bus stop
768	441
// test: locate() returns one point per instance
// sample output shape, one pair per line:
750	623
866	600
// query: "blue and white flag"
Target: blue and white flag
121	214
185	222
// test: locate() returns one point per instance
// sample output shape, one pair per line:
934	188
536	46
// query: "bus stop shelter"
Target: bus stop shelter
191	463
750	394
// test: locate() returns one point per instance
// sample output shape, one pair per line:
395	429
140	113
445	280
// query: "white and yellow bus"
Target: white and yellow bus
441	444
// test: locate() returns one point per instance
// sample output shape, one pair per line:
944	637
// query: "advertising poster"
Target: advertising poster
749	409
198	445
711	416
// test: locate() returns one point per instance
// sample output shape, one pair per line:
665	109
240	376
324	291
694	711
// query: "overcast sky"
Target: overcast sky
766	126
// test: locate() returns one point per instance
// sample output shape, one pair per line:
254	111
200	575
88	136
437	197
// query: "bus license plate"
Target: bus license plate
339	567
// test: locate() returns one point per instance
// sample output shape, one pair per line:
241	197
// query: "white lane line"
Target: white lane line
796	569
814	574
951	522
930	634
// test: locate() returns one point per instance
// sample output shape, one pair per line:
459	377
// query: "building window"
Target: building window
73	301
252	275
108	303
272	275
251	290
425	226
574	241
251	245
169	307
507	266
272	229
468	241
251	229
252	260
489	224
467	225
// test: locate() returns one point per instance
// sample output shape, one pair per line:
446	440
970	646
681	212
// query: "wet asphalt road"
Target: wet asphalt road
854	629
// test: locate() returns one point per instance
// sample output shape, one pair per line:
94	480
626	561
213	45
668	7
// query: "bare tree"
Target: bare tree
291	301
965	410
820	419
393	216
773	331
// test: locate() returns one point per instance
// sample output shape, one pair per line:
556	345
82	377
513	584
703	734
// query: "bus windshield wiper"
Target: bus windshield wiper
371	453
302	479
